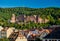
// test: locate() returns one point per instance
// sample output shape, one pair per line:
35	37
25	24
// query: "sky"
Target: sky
29	3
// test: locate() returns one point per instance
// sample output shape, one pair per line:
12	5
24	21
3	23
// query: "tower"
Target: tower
36	18
13	19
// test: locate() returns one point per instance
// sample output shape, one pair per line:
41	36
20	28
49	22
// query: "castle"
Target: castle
24	18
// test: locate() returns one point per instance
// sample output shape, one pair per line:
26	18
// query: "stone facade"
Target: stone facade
24	18
6	32
13	19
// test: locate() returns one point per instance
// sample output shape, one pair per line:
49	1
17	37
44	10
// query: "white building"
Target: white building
0	30
6	32
21	37
9	31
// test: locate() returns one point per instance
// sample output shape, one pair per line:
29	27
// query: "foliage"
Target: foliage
4	39
53	14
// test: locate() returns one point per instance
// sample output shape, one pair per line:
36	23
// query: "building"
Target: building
33	34
0	30
20	18
17	36
13	36
6	32
24	18
54	35
30	19
44	33
10	31
21	37
13	19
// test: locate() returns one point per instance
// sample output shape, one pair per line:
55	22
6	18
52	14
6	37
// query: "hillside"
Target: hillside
43	12
51	13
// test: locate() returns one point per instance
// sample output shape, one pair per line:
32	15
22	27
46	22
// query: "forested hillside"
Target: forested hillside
51	13
43	12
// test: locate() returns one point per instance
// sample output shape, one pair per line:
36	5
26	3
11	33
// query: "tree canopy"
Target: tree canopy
51	13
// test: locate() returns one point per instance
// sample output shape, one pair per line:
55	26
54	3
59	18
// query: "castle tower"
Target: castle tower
13	19
36	18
